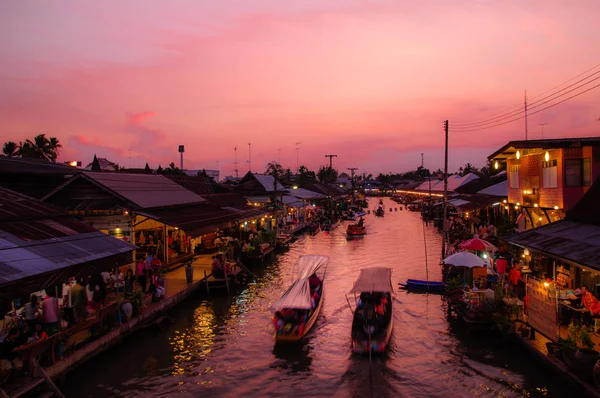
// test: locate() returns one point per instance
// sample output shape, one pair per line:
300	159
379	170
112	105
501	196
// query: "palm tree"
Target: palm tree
274	169
10	149
41	148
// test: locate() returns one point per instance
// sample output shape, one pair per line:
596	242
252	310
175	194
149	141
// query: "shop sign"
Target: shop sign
542	309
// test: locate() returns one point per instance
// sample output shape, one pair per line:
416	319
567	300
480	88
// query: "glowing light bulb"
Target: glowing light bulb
555	207
546	284
547	156
518	155
496	165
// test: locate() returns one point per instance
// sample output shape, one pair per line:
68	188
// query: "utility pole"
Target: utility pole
249	157
297	155
331	160
352	169
526	115
279	150
543	124
236	162
444	223
422	161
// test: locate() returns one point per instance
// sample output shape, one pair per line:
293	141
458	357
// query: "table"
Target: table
514	307
580	311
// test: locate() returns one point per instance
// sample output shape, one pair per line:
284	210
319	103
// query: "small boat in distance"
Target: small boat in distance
380	212
356	230
298	308
373	321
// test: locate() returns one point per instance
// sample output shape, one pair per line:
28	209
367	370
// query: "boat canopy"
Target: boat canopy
378	279
297	296
309	264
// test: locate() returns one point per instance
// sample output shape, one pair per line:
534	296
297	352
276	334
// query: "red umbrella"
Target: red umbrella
476	244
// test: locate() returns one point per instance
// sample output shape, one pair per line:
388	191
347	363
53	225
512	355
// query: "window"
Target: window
578	172
513	176
550	174
587	172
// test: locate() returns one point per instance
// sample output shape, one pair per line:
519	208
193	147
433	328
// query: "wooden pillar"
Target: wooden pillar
166	244
132	229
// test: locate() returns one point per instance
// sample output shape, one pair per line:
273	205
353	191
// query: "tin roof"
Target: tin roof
554	143
200	219
570	241
40	246
575	239
142	190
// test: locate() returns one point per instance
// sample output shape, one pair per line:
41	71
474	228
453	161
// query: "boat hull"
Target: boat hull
280	338
416	284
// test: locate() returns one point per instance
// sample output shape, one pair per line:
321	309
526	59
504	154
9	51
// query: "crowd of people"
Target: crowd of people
46	312
371	314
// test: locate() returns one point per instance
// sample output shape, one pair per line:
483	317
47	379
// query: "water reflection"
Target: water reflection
223	345
293	358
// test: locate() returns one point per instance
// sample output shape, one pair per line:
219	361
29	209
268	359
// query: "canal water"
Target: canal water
223	346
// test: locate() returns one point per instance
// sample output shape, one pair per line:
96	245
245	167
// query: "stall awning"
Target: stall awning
574	242
38	264
203	218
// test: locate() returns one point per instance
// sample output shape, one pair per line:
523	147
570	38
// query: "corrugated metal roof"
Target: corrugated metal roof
500	189
572	241
454	181
20	259
197	184
145	190
267	182
202	218
292	201
15	206
303	193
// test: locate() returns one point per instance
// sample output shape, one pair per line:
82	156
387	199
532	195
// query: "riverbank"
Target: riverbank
177	289
537	348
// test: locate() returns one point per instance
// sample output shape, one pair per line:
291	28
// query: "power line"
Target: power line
538	103
532	113
519	108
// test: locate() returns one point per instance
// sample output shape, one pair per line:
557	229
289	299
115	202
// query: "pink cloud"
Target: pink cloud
367	80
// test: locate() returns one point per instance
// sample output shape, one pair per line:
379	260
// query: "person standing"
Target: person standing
67	303
50	315
141	274
129	281
31	311
79	301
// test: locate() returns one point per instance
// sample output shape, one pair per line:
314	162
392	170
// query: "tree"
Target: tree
490	169
172	169
275	170
306	176
159	170
41	148
469	168
10	149
327	174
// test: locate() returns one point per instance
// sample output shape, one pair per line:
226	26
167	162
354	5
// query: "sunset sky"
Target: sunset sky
370	81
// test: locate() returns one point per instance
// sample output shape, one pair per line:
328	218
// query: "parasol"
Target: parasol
477	244
464	259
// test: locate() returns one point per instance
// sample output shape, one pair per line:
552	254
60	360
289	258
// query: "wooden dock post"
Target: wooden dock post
206	280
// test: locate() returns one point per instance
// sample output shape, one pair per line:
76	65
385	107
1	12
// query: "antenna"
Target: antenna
297	156
279	150
543	124
422	161
236	162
